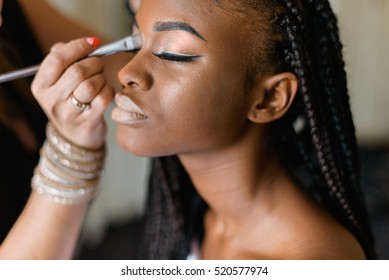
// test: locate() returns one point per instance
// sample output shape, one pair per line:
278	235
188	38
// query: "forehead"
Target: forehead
227	27
191	6
219	14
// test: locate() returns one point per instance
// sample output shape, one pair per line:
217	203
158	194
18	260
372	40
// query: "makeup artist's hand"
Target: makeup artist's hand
66	82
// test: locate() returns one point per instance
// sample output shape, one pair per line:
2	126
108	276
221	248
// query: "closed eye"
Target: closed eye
176	57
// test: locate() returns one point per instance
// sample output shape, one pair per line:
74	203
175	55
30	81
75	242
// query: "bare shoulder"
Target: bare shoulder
305	231
326	241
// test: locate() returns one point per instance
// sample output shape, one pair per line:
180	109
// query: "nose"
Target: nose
135	74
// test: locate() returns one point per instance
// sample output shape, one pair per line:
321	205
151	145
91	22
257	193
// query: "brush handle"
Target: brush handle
130	43
17	74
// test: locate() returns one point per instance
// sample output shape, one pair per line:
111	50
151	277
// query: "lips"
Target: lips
127	112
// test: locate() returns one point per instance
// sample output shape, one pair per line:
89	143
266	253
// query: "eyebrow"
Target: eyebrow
176	25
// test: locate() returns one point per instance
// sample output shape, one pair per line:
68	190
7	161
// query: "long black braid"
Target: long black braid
305	41
317	60
344	131
167	223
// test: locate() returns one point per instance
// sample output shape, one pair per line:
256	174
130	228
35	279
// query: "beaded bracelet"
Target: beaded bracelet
67	173
72	150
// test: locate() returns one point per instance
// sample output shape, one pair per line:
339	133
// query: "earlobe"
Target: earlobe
272	96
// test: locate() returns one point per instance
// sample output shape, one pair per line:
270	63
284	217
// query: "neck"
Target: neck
234	180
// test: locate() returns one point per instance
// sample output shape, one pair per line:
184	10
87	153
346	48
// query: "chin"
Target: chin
128	143
137	145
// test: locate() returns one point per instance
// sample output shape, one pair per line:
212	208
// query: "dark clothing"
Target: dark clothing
18	48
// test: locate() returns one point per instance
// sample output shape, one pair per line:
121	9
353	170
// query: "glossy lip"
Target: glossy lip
127	111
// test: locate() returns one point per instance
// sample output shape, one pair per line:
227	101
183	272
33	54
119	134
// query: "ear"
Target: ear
272	96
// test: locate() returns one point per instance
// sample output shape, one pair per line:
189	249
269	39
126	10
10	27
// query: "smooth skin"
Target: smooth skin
214	116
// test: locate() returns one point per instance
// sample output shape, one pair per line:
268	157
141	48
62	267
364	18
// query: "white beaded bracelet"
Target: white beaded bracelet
67	173
72	150
70	196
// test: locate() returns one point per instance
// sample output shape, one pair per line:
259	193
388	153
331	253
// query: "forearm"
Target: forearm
45	230
64	182
50	25
67	176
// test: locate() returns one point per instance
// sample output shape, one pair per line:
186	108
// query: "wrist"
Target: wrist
67	173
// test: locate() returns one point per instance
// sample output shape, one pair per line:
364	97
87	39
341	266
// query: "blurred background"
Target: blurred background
111	222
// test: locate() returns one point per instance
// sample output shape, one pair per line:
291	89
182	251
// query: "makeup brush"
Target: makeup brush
130	43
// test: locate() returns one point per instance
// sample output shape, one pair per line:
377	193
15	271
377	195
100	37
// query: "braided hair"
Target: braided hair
301	37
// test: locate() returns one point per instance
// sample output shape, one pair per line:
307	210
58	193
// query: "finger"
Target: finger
88	89
101	102
80	73
56	62
67	110
56	46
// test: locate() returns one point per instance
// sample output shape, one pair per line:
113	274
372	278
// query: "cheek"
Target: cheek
207	110
191	111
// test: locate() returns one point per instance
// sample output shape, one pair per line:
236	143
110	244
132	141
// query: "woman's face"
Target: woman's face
185	91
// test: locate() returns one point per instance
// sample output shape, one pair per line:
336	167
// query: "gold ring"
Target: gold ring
82	106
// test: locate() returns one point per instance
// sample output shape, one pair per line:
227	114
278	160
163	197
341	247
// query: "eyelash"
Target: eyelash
176	57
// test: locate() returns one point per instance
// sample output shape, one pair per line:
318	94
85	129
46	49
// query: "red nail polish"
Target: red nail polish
93	41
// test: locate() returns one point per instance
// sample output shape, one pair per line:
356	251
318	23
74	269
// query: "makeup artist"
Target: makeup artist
44	230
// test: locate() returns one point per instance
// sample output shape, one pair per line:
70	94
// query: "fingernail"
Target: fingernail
93	41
